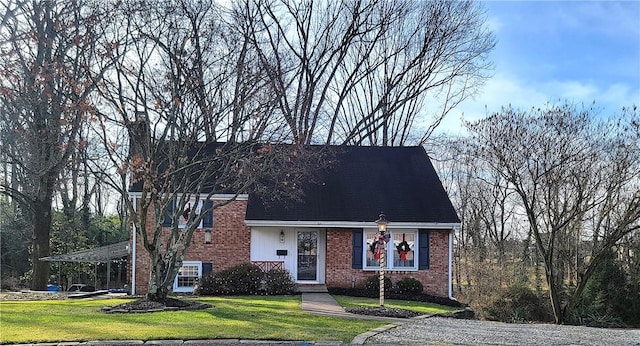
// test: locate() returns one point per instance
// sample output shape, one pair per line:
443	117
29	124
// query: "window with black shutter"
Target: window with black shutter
423	249
169	215
356	248
207	219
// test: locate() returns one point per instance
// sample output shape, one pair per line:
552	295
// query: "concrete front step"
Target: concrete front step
311	289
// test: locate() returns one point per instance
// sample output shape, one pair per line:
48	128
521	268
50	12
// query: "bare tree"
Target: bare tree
49	62
483	257
196	113
352	72
574	177
499	214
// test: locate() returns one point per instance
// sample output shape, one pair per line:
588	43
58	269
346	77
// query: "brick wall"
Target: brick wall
340	274
229	243
230	246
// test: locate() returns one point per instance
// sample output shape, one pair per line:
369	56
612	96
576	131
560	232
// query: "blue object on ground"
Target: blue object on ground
118	290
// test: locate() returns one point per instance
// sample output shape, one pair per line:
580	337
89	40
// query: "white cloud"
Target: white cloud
500	91
570	90
550	52
611	98
494	24
503	90
621	95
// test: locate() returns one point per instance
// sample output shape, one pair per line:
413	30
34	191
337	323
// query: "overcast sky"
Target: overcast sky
580	51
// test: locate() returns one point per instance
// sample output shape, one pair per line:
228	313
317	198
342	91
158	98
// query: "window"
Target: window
404	250
184	214
183	218
400	251
187	276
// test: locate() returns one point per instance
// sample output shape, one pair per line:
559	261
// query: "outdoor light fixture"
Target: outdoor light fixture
281	236
207	236
381	243
382	223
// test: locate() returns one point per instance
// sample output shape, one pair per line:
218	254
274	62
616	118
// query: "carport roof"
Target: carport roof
99	254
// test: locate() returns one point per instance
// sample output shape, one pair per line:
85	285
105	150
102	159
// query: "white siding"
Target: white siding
266	240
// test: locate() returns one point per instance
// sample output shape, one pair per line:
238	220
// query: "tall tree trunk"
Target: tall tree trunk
41	230
159	283
554	293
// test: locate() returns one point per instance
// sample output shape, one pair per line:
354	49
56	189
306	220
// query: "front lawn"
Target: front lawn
260	318
419	307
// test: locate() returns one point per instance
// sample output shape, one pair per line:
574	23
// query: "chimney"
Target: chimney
139	136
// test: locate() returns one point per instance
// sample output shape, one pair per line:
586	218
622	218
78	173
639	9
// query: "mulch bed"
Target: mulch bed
143	305
383	312
139	305
418	297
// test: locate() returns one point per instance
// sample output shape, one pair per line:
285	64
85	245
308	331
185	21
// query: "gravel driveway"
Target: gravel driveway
445	331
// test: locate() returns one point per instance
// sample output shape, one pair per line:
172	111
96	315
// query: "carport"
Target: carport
103	254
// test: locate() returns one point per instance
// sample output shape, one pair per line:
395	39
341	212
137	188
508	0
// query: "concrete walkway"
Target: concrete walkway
325	304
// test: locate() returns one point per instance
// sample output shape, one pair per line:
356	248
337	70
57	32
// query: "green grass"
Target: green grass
419	307
260	318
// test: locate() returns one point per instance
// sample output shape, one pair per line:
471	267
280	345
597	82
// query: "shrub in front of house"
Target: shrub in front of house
246	279
409	285
373	284
206	285
215	284
418	297
278	282
243	279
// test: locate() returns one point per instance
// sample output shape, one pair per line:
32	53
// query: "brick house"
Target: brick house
327	239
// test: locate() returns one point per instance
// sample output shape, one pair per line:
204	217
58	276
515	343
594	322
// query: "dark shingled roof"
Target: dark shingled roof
400	181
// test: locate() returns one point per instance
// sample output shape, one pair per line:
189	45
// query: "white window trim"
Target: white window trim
187	288
389	251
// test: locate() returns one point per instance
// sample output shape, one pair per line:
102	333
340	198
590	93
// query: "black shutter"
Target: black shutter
207	268
169	215
207	219
423	249
356	248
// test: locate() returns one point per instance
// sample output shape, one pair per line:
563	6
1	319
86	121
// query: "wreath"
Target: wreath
403	249
186	212
378	245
